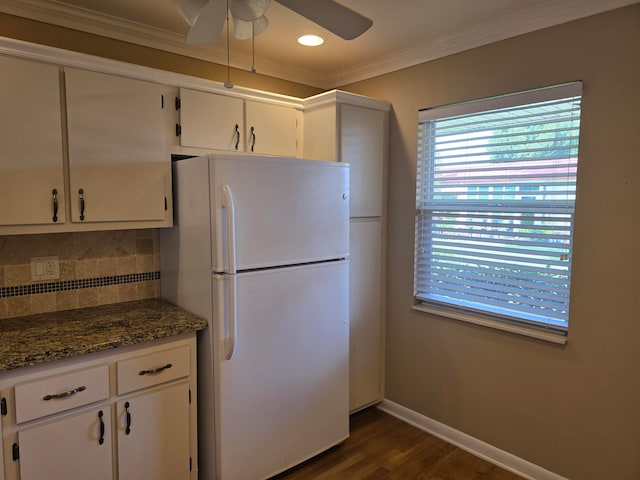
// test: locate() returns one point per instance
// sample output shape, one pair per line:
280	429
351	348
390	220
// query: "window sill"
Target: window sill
551	337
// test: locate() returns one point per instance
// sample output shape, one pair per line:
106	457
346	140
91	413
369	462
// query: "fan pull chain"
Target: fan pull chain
228	83
253	46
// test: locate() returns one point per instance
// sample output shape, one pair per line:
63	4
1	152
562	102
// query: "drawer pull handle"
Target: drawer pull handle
128	416
153	371
101	439
68	393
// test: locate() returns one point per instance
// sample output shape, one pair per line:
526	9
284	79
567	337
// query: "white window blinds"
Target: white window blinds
496	186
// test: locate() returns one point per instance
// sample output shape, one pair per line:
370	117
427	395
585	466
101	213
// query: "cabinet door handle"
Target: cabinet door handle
155	370
128	417
81	193
68	393
237	130
54	199
253	138
101	439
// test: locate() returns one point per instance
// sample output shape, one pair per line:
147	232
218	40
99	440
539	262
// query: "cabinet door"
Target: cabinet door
30	143
156	445
363	145
365	313
210	121
271	129
118	158
1	453
69	448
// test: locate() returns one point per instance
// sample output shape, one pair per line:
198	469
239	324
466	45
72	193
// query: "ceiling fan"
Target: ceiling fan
207	17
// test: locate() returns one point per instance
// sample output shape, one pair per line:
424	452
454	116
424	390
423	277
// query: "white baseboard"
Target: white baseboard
466	442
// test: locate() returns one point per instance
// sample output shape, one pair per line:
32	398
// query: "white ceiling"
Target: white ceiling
404	32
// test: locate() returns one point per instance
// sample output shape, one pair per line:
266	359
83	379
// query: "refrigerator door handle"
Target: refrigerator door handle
232	340
227	316
229	205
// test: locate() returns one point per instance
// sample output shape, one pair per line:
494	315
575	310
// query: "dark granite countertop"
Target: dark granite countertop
46	337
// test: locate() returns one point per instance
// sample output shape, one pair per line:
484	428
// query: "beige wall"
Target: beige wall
574	410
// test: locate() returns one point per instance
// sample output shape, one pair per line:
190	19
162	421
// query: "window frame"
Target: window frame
549	332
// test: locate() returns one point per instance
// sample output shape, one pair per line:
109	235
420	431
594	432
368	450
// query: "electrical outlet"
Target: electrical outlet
44	268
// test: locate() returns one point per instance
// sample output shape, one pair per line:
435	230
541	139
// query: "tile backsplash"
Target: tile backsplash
96	268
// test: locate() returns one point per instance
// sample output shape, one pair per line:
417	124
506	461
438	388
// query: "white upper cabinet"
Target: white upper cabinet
220	122
271	129
118	158
32	190
212	121
363	145
352	129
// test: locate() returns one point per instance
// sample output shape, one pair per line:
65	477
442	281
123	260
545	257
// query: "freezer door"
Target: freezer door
283	395
283	211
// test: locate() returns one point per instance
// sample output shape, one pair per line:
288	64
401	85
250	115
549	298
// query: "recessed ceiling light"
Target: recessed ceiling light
310	40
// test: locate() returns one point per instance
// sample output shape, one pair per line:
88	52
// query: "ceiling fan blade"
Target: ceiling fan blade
248	10
189	9
208	26
336	18
244	30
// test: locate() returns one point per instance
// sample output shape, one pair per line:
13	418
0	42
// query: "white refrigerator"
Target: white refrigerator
260	248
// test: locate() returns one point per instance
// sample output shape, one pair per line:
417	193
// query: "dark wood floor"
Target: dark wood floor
383	447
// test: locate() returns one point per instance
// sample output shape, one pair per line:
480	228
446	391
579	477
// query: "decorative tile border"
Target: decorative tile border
48	287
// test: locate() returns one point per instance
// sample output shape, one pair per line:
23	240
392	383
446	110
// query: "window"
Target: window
496	186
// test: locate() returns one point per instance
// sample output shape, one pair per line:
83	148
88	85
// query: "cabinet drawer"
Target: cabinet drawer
155	368
55	394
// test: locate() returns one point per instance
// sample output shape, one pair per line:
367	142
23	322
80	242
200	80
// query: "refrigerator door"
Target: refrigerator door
283	395
283	211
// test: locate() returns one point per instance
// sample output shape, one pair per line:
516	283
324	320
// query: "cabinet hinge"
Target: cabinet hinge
178	103
3	406
15	452
178	130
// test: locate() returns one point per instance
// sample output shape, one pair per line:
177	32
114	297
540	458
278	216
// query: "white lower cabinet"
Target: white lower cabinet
153	435
78	446
129	415
1	455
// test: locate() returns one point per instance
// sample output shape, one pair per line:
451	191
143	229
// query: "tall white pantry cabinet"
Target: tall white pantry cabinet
353	129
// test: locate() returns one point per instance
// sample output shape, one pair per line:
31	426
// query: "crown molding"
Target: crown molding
547	14
529	20
147	36
333	97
